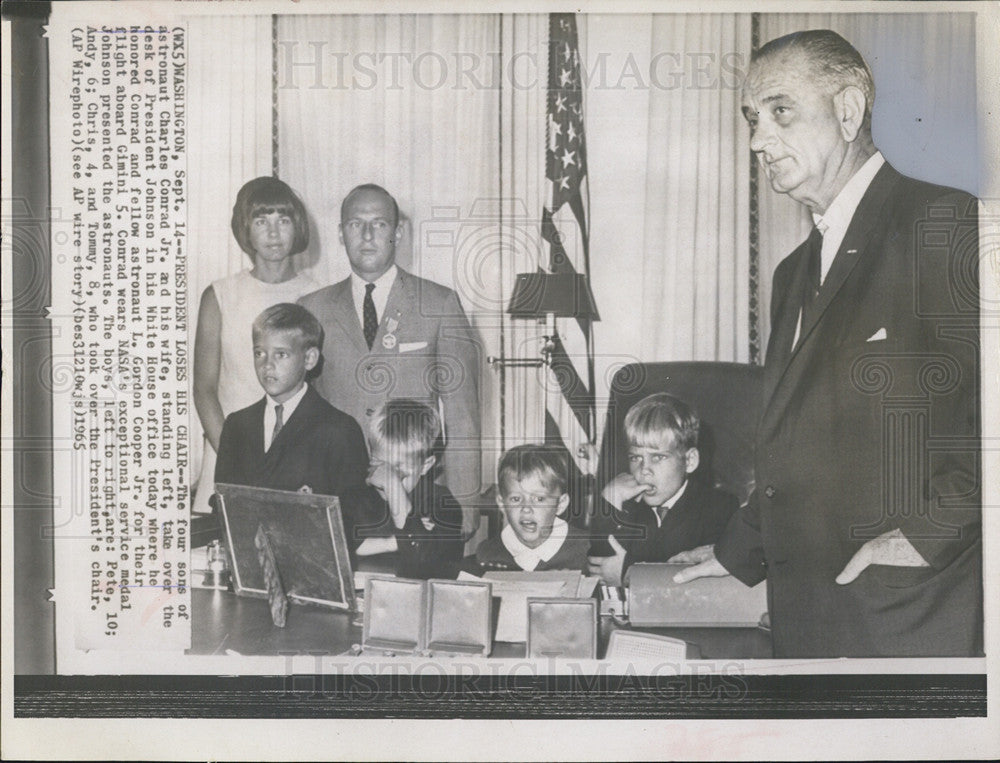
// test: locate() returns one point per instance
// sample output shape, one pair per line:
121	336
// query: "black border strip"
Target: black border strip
432	695
30	353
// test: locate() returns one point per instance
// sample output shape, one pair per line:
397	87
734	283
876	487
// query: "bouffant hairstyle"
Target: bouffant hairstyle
262	196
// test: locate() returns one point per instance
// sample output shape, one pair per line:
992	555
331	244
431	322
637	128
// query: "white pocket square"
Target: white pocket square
411	346
878	335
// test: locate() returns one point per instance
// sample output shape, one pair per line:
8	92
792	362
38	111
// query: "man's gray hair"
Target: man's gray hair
834	62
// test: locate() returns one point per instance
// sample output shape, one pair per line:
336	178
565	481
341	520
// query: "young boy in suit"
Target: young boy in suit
531	482
657	510
291	439
403	509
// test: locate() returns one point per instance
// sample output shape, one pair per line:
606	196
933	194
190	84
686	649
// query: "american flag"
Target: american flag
570	416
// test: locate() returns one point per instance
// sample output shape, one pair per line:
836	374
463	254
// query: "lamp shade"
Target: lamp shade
565	295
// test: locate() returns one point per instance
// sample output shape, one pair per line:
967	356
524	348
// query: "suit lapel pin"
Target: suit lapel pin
389	341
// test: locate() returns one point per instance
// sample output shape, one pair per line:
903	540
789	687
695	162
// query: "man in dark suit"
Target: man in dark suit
291	439
390	334
865	520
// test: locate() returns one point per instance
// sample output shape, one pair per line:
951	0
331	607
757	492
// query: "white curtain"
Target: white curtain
924	120
229	112
409	102
526	190
668	155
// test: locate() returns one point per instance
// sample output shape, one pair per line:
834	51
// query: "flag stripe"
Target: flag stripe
572	386
558	259
570	412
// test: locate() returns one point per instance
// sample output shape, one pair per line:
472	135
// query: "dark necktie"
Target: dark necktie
661	513
370	316
814	249
279	411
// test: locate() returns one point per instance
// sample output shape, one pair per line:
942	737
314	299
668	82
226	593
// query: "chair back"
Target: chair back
726	397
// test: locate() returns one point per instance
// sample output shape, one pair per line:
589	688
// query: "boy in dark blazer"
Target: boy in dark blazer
291	439
655	510
403	510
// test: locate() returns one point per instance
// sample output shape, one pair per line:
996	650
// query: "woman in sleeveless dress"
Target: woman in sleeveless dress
270	224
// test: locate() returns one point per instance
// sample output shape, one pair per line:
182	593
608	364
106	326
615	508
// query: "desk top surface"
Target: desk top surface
223	621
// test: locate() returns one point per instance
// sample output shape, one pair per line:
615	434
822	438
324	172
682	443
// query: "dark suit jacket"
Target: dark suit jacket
435	357
318	446
492	554
422	553
870	424
697	519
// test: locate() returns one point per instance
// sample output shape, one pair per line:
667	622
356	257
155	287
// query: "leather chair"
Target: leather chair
726	397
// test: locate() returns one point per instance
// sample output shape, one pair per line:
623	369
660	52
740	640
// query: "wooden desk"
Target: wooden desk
223	620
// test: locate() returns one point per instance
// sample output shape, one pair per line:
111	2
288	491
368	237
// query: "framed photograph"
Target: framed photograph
306	536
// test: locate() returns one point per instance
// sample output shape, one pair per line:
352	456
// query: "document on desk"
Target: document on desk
514	588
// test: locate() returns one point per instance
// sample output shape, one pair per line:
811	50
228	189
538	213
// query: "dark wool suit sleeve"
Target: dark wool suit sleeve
947	518
604	523
436	503
227	460
348	456
457	385
741	549
436	552
718	512
634	535
368	512
780	284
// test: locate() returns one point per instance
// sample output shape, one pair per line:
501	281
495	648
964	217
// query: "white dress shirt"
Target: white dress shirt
380	294
834	221
668	504
529	558
288	408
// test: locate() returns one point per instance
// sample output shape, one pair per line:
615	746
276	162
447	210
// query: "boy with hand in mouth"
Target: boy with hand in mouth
532	484
403	509
657	511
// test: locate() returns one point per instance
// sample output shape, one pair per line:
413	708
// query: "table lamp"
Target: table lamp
548	295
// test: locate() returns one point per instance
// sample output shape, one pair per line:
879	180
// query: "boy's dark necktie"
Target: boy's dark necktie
370	316
661	513
279	422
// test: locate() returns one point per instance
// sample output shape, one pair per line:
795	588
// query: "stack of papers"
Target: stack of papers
514	588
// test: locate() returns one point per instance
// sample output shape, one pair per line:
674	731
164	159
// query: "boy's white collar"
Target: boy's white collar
529	558
668	504
289	406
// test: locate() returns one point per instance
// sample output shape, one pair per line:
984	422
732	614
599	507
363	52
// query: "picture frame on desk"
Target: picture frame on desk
306	536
